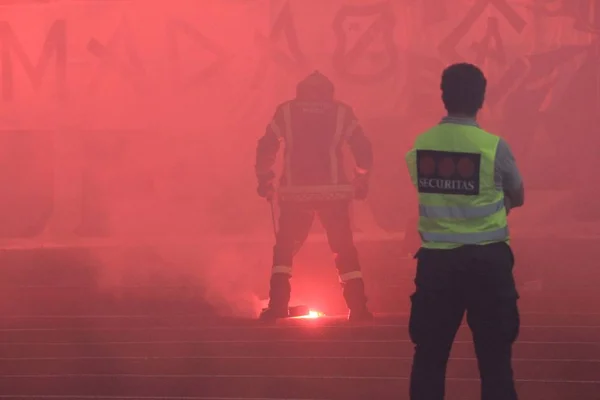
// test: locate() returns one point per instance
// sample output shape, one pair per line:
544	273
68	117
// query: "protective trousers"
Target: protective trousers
295	222
477	280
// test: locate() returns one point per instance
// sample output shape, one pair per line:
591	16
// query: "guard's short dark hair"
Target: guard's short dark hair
463	89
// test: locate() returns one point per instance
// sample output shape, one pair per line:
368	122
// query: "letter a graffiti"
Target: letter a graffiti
346	56
447	47
284	26
132	70
176	28
491	46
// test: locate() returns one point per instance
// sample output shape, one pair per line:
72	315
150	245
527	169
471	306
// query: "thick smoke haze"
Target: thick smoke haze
134	123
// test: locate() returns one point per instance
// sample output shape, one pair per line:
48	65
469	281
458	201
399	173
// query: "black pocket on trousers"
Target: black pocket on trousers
415	322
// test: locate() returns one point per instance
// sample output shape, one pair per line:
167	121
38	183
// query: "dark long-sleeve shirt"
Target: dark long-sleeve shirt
507	176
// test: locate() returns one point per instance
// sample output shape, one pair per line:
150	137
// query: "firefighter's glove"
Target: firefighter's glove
361	185
266	186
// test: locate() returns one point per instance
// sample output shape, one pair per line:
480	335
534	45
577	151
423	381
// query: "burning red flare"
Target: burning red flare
312	314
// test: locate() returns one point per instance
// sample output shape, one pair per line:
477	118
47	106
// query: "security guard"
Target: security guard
467	182
314	128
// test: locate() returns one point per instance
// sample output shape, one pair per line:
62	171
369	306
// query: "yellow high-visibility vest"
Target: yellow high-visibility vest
452	167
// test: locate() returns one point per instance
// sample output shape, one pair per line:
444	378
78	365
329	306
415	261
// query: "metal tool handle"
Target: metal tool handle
273	218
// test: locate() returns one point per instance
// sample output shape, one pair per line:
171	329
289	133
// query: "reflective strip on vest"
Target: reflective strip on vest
281	269
348	276
333	149
276	130
466	238
460	212
287	132
350	130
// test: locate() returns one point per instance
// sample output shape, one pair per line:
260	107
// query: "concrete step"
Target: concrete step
558	334
169	356
289	348
169	300
180	320
260	386
460	368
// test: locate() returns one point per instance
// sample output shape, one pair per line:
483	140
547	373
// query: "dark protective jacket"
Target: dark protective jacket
313	132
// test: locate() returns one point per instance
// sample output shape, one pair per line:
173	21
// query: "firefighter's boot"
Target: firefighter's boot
279	298
356	300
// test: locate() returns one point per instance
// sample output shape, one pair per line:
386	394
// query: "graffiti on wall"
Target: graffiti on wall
535	88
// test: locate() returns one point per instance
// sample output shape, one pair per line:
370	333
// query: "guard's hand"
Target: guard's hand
361	186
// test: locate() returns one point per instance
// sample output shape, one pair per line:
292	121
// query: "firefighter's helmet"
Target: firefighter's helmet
315	86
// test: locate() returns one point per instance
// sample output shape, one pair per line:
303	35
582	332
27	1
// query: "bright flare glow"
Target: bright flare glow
313	314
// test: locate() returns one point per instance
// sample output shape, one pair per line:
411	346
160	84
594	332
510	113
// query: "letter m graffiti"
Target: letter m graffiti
55	46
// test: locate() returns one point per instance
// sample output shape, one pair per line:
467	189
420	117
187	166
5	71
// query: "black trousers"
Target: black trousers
295	222
477	280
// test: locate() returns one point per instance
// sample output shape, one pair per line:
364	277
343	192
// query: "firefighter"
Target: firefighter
467	182
313	128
